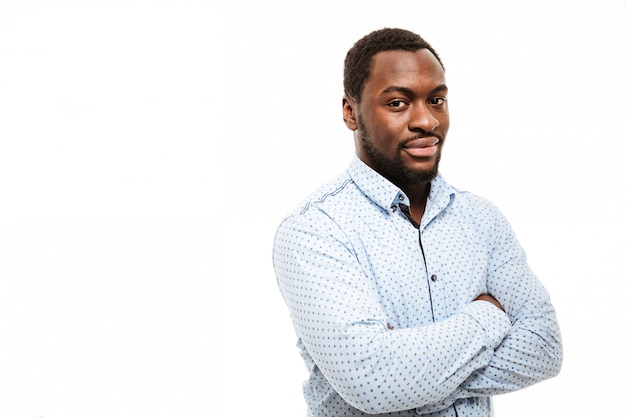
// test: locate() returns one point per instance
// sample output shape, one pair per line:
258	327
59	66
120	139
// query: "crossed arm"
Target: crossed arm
498	343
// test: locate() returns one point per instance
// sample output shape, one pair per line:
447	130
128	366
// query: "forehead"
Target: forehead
416	70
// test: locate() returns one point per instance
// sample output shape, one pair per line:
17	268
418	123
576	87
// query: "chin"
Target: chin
422	172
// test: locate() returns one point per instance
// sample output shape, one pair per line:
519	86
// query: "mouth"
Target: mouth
424	147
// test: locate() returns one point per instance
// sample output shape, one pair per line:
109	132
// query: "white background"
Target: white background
148	150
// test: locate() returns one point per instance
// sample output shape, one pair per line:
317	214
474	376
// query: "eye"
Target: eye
397	104
438	101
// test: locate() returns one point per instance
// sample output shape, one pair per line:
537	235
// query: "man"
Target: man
408	296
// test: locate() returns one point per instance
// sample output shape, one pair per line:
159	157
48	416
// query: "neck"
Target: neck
418	194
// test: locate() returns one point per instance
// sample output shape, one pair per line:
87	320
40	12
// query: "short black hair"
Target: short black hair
359	58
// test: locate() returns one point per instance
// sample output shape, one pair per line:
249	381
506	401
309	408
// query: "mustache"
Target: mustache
421	133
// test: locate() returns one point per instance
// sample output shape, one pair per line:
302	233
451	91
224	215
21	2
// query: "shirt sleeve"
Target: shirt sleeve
338	317
532	351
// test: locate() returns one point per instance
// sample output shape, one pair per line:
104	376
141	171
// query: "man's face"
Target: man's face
402	119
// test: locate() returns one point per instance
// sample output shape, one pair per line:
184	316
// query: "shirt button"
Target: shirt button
400	197
433	277
394	208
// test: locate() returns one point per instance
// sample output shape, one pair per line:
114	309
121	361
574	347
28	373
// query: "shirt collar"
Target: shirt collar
387	196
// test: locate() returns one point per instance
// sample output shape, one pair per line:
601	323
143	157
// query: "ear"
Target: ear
349	113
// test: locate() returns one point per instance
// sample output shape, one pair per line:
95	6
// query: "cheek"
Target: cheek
392	127
444	121
386	131
385	139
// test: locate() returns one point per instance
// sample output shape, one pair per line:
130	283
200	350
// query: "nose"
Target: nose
422	118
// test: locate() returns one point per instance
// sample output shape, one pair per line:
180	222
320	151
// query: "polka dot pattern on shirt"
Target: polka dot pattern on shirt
383	310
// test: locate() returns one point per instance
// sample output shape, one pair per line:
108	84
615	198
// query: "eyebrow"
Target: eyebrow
409	92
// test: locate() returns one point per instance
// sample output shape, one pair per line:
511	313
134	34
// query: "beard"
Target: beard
393	168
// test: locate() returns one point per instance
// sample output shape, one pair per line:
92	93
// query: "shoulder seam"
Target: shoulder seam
324	196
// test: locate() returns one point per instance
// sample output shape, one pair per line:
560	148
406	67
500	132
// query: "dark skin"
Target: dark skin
404	110
401	122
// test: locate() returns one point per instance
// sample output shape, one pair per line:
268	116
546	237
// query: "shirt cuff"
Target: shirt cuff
495	322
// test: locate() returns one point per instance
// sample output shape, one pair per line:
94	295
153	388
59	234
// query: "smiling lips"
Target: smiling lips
423	147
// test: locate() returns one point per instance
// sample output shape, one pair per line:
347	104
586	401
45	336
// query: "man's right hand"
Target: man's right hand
488	297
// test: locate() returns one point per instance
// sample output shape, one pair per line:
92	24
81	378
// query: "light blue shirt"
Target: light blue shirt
384	311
